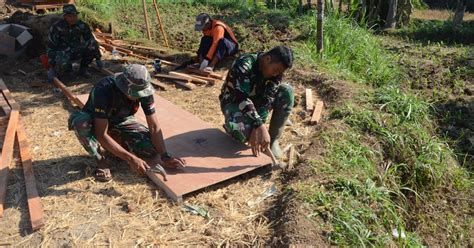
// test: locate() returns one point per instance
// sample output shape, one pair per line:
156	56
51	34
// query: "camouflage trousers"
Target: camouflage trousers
130	134
240	127
62	59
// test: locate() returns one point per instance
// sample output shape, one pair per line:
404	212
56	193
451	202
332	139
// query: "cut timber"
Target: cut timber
8	96
318	110
148	48
211	155
72	98
103	70
7	155
177	81
158	84
309	100
291	158
210	80
203	73
34	201
189	77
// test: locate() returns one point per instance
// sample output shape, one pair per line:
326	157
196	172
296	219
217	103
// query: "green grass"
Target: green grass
388	152
433	31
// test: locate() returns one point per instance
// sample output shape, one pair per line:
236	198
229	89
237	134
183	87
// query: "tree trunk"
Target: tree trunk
309	4
340	6
459	14
392	12
319	26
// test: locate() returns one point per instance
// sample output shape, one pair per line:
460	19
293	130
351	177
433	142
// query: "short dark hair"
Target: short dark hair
283	55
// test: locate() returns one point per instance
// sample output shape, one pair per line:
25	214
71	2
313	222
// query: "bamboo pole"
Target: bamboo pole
319	26
162	28
145	14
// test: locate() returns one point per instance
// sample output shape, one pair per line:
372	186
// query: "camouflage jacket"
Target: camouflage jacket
63	37
246	86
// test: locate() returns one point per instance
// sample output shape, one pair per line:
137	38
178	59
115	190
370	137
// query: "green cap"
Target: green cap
135	81
70	9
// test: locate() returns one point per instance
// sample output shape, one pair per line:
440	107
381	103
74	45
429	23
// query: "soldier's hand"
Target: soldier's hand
139	165
259	140
174	163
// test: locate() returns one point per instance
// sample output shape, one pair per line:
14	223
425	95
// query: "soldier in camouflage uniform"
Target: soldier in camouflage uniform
252	89
71	39
107	121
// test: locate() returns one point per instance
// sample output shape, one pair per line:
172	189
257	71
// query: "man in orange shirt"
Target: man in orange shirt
218	41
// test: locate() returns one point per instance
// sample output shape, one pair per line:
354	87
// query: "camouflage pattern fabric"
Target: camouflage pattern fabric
247	97
130	134
68	43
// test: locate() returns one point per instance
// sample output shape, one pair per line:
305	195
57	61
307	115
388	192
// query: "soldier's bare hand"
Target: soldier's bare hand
139	164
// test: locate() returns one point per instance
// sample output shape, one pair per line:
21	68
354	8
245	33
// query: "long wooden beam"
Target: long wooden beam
7	155
72	98
34	202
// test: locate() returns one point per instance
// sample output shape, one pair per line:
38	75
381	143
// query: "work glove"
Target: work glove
204	64
51	75
208	69
99	63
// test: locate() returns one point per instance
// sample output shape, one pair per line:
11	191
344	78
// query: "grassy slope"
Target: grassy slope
382	161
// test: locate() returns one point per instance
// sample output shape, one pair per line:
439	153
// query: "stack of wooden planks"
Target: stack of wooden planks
188	79
11	125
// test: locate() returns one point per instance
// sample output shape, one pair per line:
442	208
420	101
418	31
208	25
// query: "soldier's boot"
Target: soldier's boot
277	126
282	107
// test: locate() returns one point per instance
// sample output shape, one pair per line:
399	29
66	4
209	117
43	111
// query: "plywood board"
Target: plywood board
212	156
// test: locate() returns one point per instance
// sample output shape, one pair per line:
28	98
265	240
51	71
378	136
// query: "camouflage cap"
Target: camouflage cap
135	81
70	9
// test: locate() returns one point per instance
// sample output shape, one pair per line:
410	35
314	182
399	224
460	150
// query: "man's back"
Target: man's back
61	35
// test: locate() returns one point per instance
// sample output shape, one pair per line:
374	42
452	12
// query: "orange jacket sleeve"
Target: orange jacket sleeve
217	34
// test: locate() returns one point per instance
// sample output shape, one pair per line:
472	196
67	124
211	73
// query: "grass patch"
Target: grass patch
432	31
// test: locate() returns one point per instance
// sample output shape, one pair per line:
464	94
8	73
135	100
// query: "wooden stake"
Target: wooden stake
147	23
319	26
7	155
34	201
161	23
309	100
318	110
291	158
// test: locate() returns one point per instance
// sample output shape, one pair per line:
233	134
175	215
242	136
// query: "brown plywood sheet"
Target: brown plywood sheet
212	156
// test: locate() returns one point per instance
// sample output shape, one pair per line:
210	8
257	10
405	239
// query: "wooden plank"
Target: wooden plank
203	73
167	76
7	155
103	70
34	202
291	158
159	84
189	77
212	156
212	81
309	100
177	81
4	105
148	48
6	93
72	98
318	110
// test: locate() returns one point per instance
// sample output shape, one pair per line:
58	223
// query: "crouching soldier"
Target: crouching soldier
252	89
107	121
71	39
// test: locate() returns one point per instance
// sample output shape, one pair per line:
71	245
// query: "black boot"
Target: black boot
83	72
